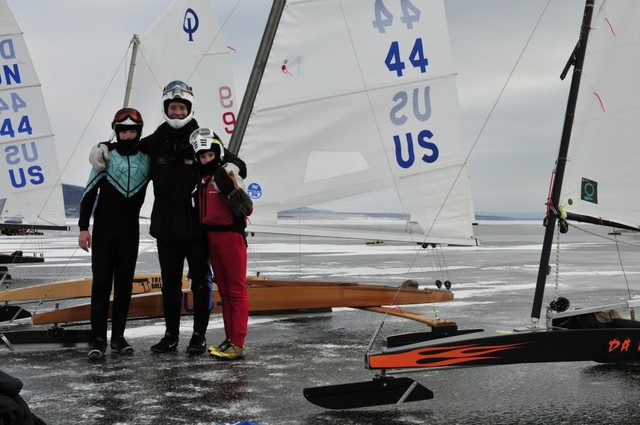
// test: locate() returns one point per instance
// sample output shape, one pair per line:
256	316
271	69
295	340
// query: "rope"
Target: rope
557	274
601	236
614	239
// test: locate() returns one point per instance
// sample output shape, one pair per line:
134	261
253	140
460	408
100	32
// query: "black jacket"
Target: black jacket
13	409
175	174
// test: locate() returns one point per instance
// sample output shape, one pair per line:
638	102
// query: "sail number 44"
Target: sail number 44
9	127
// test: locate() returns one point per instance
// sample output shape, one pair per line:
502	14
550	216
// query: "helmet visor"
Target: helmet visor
127	113
203	140
177	88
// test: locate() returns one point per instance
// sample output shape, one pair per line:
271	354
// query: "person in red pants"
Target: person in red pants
225	232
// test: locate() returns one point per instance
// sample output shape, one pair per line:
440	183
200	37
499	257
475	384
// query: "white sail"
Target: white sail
29	174
602	177
186	44
359	99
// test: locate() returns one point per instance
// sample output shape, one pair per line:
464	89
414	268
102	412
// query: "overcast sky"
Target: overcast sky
78	46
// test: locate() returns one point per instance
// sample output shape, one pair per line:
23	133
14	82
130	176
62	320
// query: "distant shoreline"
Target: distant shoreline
73	194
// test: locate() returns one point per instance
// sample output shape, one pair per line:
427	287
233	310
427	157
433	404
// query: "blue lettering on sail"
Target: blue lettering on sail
384	17
421	113
7	127
7	50
411	103
400	99
10	75
29	153
20	181
21	173
424	142
424	138
190	23
15	102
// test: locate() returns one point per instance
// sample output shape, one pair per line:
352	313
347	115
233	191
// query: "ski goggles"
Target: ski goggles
177	88
124	113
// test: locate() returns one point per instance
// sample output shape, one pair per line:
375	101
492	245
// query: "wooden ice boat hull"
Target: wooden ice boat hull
79	288
269	296
491	348
142	283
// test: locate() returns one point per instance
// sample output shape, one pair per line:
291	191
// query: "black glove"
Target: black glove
239	202
223	181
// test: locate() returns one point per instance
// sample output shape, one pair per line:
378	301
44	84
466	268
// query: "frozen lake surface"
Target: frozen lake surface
493	286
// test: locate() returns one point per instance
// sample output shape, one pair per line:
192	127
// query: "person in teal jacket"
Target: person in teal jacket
116	233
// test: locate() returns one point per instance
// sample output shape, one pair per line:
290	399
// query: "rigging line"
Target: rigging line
491	111
557	271
214	39
509	77
618	242
624	273
144	59
37	244
62	269
159	84
75	148
93	115
252	249
582	229
255	257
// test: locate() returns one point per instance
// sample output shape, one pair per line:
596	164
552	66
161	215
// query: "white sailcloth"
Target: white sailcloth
29	174
602	177
359	98
186	44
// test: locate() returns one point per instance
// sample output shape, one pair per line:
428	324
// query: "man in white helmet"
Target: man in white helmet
174	218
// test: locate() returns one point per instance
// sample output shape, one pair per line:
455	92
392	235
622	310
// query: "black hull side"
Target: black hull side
493	348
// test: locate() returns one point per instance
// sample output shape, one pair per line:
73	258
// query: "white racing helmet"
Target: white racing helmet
177	91
205	140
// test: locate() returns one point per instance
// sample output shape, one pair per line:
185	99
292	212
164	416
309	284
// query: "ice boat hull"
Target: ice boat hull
491	348
269	296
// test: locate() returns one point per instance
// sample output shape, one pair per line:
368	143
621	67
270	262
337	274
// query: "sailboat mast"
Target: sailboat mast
552	210
256	75
134	53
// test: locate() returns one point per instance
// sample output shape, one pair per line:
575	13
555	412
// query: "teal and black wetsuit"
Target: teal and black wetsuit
121	188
